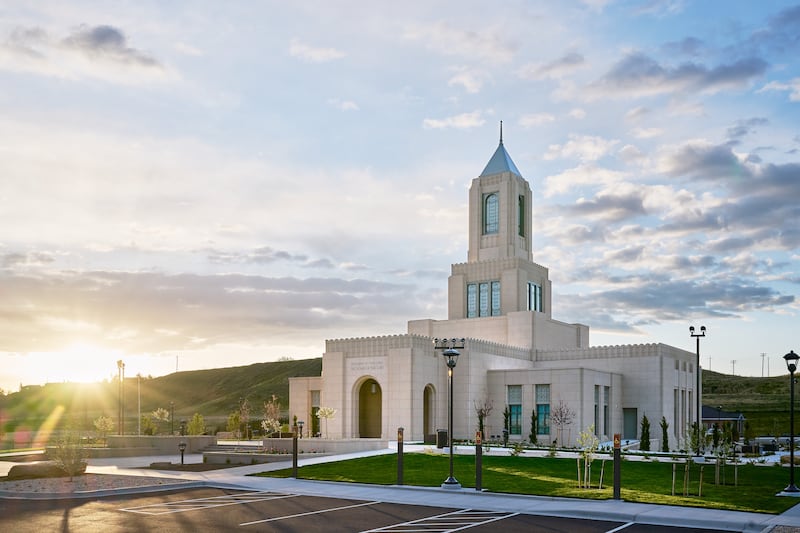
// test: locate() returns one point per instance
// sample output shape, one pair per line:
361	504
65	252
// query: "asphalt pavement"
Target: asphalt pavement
465	498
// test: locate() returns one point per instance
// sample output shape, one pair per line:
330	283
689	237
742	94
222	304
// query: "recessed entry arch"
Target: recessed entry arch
369	406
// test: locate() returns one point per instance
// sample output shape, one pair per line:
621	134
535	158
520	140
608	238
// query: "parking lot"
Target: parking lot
211	509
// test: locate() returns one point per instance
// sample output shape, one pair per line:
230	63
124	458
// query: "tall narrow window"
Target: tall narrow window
515	409
535	297
543	409
495	298
472	300
315	400
491	214
521	218
483	299
606	394
597	410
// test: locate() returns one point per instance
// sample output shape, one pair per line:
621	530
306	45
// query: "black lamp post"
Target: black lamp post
121	374
697	387
182	448
449	351
791	363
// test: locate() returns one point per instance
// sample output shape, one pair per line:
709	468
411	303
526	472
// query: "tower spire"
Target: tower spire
501	132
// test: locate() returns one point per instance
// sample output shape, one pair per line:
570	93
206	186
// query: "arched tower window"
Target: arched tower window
491	214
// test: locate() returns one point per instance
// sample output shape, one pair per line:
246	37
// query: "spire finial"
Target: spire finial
501	132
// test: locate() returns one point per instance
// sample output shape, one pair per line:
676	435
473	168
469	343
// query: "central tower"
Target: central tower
499	276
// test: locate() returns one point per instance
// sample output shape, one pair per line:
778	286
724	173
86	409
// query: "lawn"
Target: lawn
642	481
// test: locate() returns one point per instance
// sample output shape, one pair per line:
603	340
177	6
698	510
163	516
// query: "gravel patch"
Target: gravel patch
84	483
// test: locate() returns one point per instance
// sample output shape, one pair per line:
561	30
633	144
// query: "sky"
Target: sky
189	185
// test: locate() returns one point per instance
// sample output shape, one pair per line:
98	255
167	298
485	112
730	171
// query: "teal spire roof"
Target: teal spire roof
500	161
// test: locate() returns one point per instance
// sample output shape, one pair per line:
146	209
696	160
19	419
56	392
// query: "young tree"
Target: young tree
160	414
588	443
272	416
645	434
664	434
483	410
70	454
533	437
197	425
327	413
234	424
104	425
244	417
561	416
148	428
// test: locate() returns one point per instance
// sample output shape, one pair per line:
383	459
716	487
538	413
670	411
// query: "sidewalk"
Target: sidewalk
237	477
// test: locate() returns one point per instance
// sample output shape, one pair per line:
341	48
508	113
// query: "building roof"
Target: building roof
500	162
711	413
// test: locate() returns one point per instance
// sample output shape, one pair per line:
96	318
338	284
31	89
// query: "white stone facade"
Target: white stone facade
515	355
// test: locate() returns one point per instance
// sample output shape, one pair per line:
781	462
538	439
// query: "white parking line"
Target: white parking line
206	503
620	528
445	523
308	513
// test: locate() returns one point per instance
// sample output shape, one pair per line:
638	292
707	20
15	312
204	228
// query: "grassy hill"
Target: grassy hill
764	401
213	393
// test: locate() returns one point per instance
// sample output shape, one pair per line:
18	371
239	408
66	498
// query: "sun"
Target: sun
80	362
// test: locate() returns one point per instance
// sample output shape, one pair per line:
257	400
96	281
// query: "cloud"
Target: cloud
611	206
313	54
647	133
535	119
100	52
703	160
556	69
577	113
690	46
155	312
640	75
743	128
582	147
107	42
583	174
462	121
470	79
793	87
343	105
487	44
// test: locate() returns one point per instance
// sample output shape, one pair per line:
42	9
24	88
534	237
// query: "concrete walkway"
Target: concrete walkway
620	511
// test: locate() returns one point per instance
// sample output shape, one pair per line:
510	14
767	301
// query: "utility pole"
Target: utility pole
763	355
733	367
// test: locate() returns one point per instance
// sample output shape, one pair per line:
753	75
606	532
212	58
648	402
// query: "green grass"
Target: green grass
642	481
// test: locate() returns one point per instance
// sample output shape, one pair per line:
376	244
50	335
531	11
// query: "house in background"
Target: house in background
516	354
715	415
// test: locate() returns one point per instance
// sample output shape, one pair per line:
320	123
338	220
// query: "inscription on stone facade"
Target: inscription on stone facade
368	366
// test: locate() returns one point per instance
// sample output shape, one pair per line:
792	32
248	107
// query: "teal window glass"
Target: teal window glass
495	298
515	409
472	300
491	214
483	295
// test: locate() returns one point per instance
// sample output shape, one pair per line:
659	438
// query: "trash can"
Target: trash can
441	438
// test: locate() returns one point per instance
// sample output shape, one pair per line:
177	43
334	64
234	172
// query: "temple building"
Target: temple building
516	356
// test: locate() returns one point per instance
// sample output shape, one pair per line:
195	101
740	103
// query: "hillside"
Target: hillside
764	401
214	393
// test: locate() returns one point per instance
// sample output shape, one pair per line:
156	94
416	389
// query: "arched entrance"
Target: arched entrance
369	409
428	410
